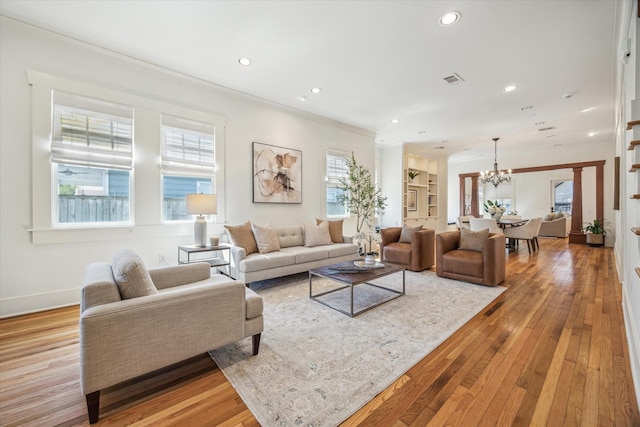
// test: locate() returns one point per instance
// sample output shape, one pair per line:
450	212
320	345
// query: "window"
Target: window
562	195
188	163
336	170
92	159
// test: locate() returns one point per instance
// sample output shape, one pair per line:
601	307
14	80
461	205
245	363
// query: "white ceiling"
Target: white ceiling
381	60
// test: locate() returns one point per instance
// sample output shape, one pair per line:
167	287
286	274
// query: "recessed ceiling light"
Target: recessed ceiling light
593	133
584	110
394	120
449	18
302	98
244	61
510	88
316	90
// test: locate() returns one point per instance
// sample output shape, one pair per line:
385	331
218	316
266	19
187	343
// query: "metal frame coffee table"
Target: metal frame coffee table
350	280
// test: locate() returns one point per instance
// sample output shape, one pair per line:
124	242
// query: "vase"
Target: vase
496	216
369	259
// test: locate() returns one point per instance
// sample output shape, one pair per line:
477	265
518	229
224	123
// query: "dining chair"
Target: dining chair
477	224
528	231
463	221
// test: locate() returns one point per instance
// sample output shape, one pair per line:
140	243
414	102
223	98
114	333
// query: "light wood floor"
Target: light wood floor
550	351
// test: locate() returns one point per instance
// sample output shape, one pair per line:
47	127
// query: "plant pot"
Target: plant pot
496	216
369	259
595	239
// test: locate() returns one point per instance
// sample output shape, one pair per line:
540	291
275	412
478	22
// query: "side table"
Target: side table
216	257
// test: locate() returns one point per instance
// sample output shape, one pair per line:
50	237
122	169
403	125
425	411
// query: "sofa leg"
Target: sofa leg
255	341
93	406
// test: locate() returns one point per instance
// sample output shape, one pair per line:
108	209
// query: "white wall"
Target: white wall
40	276
532	191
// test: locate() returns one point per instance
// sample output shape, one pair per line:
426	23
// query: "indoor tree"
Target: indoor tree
361	197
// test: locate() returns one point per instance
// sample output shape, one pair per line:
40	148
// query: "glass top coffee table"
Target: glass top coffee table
348	275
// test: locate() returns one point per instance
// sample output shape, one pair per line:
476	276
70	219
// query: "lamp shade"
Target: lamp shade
202	204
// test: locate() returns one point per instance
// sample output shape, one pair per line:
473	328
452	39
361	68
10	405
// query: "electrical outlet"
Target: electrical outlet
161	259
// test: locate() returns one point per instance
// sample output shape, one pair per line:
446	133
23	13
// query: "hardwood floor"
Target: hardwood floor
550	351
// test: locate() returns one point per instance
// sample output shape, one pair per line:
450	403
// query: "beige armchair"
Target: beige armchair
416	251
558	225
529	232
485	265
134	321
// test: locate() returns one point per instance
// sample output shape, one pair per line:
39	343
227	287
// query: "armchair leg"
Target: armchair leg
93	406
255	341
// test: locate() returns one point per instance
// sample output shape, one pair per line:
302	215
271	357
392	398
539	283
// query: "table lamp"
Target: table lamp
201	205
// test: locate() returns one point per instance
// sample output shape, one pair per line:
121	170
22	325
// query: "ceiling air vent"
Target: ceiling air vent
453	79
547	128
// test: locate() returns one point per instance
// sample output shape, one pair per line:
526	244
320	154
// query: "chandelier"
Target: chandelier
495	176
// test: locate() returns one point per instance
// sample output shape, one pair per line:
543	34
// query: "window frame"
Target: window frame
146	183
332	181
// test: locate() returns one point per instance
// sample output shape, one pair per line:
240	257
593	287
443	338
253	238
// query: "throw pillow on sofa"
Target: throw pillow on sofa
407	233
335	229
473	240
266	238
131	275
242	235
316	234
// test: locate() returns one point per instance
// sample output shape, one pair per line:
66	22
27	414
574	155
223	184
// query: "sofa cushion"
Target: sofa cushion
316	234
131	275
407	233
342	249
242	235
266	238
305	254
290	235
399	253
335	229
253	304
467	263
258	262
473	240
549	217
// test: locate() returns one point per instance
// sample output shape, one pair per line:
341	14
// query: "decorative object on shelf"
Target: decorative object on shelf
494	209
360	195
412	200
413	175
370	258
201	205
277	174
495	177
215	241
595	232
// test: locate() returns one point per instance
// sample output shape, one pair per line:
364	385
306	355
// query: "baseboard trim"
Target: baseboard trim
633	338
10	307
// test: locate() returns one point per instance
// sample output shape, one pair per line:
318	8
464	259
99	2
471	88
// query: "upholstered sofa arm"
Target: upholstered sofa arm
124	339
445	242
166	277
493	259
422	248
98	286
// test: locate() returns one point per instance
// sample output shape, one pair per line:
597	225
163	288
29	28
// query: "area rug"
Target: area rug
317	366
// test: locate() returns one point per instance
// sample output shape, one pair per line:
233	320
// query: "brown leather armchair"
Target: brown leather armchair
416	256
484	268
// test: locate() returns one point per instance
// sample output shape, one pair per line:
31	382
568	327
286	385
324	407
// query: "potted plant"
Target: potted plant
595	232
413	175
362	198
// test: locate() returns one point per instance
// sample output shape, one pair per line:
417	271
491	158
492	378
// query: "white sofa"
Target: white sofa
292	257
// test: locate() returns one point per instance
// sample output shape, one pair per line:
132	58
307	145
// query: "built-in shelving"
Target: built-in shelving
635	167
420	192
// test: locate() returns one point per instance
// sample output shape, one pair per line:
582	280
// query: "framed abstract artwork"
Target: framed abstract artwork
277	174
412	200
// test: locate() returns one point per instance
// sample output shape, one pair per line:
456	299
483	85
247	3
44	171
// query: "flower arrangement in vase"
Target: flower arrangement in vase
494	209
